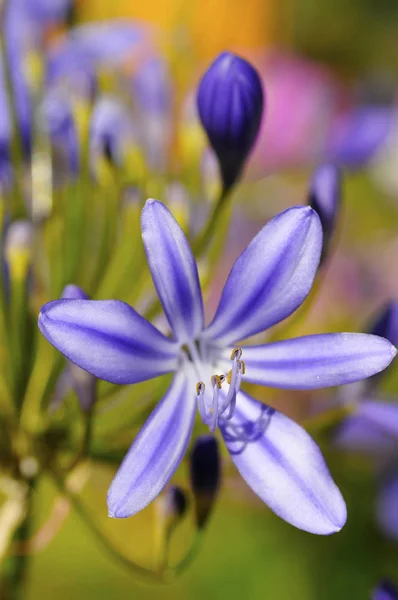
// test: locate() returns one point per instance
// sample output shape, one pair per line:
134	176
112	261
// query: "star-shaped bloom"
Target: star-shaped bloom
267	283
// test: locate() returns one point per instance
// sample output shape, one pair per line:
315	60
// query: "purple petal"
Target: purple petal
156	452
284	466
271	278
107	338
358	135
387	508
317	361
372	428
174	270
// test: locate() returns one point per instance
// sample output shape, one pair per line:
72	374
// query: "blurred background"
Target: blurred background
330	70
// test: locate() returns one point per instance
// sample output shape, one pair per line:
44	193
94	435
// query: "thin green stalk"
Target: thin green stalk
200	245
85	442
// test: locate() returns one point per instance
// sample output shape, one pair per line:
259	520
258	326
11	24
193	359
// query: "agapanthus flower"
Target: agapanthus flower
267	283
111	129
230	104
385	591
357	135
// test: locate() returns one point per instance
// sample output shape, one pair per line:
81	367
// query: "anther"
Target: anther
217	380
229	377
236	353
242	366
200	388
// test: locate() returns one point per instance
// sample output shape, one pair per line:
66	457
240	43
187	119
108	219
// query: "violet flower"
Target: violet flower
356	136
230	104
385	591
267	283
111	129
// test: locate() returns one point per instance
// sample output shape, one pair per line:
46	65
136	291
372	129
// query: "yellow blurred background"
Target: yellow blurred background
213	25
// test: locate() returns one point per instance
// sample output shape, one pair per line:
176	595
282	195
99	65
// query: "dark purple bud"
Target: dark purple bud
324	197
175	503
205	471
386	323
385	591
230	102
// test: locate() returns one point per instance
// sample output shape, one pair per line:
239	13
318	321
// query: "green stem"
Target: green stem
85	443
205	237
14	570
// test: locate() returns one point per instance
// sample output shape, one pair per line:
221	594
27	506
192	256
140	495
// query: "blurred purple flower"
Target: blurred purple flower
267	283
230	102
373	429
111	129
387	503
356	135
58	121
86	48
153	100
385	591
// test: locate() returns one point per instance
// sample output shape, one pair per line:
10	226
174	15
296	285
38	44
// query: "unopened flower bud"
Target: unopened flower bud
385	325
230	103
385	591
324	198
74	292
174	504
205	471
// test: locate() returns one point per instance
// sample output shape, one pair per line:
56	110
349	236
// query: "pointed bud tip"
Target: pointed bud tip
73	292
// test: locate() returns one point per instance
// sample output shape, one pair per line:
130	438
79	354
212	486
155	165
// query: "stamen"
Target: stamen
200	392
236	353
200	388
214	409
211	409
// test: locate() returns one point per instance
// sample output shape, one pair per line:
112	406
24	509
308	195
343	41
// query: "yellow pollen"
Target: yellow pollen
236	353
200	387
229	377
242	367
217	380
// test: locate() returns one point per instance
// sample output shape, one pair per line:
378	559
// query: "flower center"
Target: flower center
213	401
